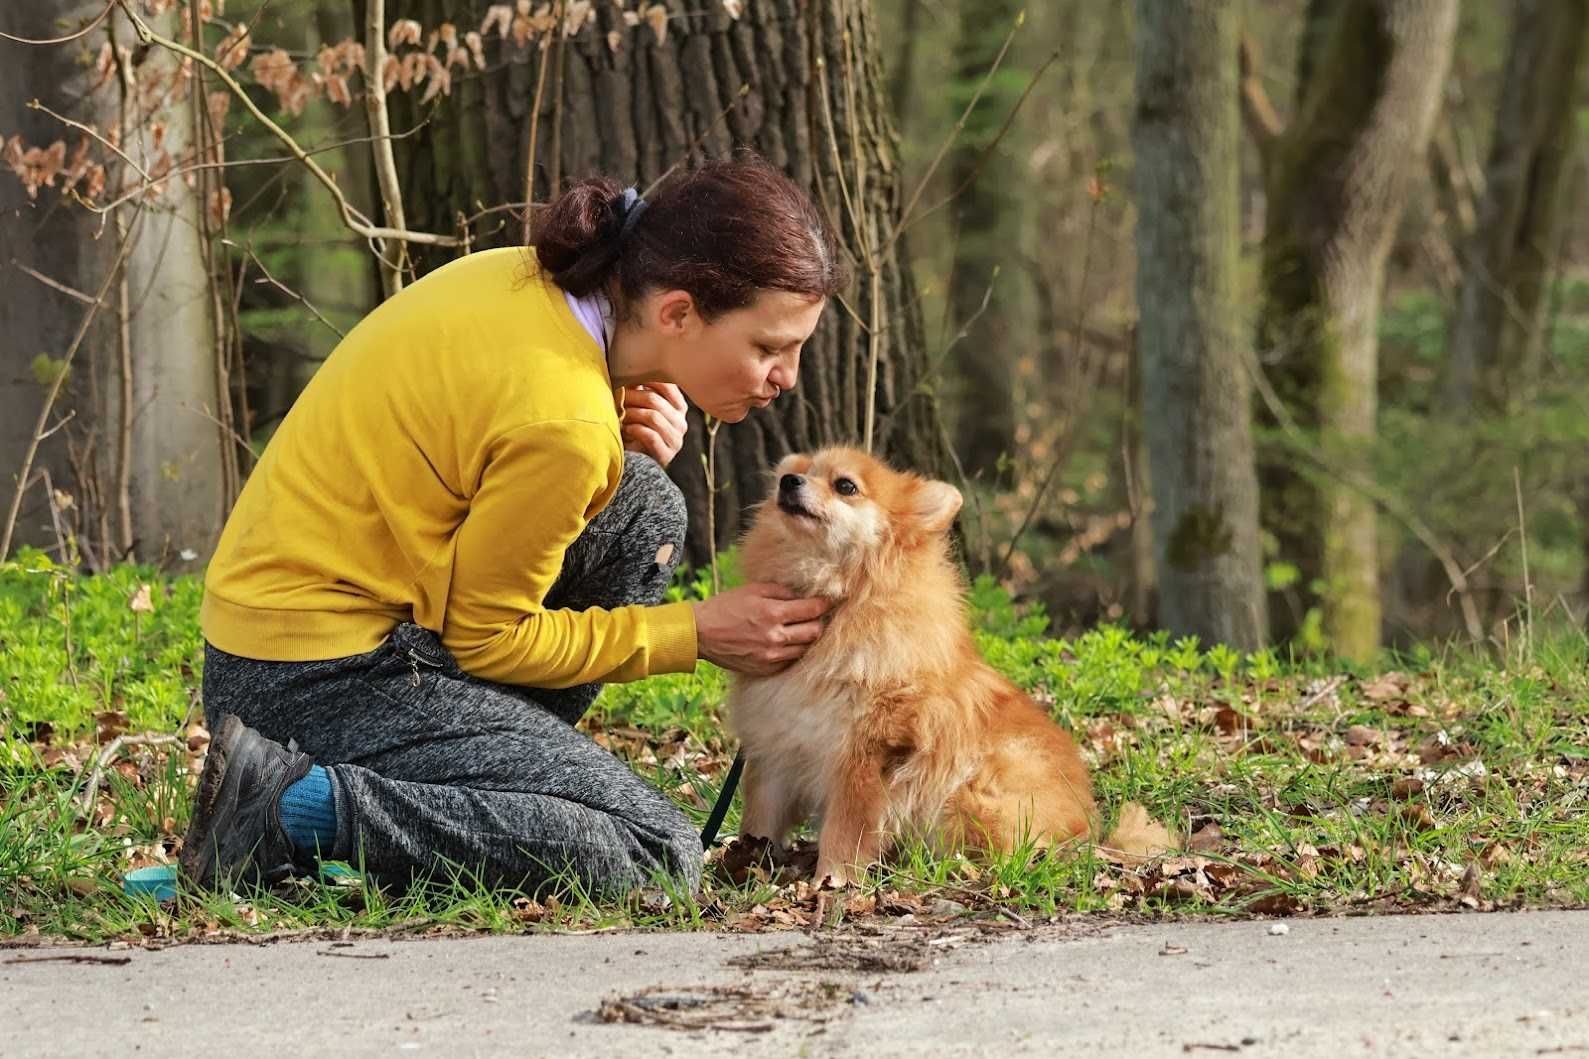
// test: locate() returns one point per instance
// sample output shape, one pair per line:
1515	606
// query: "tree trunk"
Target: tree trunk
636	109
1337	181
1185	138
55	242
1495	340
985	279
144	446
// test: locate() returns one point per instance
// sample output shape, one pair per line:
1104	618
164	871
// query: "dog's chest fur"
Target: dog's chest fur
798	724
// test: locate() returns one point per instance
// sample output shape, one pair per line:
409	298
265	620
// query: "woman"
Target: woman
463	527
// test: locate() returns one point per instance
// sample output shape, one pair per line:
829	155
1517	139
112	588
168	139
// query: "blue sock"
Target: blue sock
308	813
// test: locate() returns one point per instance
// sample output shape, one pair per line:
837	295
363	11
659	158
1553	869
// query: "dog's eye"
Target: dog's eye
845	487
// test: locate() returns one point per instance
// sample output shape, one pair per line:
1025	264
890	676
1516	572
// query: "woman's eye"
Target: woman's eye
845	487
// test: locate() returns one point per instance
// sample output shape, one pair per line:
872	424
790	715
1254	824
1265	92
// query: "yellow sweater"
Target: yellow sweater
435	470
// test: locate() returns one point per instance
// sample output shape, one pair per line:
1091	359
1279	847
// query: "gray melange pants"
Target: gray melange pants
428	762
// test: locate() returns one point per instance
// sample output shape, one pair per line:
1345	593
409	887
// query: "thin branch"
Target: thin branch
557	101
273	281
237	163
744	90
535	121
34	104
108	755
55	388
230	431
391	256
351	217
1263	121
838	163
507	207
70	292
959	125
85	31
1067	425
985	153
1372	490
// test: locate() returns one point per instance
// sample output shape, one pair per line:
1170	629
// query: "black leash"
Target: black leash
725	798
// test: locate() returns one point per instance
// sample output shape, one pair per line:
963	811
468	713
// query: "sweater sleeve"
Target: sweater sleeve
540	486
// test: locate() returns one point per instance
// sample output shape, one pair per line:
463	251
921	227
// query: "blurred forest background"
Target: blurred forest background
1265	321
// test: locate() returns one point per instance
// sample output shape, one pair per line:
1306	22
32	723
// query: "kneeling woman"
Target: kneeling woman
463	528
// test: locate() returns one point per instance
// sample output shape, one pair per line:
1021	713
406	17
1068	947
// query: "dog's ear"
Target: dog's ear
936	505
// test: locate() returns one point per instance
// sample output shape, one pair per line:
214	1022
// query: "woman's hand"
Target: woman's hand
654	420
758	629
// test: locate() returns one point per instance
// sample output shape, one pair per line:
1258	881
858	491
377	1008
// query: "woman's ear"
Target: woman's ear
936	505
675	312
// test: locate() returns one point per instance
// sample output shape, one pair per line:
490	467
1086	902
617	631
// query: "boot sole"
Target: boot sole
197	860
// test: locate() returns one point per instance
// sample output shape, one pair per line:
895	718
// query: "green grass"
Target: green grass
1441	779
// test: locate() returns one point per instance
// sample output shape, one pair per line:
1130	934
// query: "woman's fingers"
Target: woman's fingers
644	439
804	633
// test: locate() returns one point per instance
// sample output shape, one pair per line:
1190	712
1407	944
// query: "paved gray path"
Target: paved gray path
1470	985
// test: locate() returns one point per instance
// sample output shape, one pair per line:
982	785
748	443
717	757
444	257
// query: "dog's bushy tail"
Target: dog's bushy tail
1138	837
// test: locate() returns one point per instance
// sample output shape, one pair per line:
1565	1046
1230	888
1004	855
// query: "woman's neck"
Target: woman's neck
634	357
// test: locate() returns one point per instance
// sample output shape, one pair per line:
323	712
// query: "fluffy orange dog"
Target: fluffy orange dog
892	722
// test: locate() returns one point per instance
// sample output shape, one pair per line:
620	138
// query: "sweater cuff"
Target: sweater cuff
671	631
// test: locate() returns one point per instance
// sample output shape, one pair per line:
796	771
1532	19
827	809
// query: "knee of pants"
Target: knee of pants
679	850
663	501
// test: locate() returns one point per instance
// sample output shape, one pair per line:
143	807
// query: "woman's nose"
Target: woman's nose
785	374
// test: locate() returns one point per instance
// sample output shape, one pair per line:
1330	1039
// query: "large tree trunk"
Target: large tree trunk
1337	181
144	445
638	108
1495	339
985	279
1195	386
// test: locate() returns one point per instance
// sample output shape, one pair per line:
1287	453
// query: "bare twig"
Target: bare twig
1393	506
351	217
959	127
85	31
744	90
208	144
70	292
710	463
535	120
108	755
1263	121
64	120
55	390
1062	441
985	153
55	516
279	285
853	205
392	250
556	184
1528	588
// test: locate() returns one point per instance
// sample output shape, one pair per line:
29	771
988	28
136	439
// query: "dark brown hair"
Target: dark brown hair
722	231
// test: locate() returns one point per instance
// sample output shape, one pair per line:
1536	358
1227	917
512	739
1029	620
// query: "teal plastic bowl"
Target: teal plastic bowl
160	881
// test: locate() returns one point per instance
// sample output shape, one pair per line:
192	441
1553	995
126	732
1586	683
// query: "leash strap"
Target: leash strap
725	798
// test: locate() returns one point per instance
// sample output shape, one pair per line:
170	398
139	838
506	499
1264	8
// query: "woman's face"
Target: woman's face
744	358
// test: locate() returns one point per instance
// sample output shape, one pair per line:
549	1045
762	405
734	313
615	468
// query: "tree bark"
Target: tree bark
636	109
1495	338
1336	188
1185	139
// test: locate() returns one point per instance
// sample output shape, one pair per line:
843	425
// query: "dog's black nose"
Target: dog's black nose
789	483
